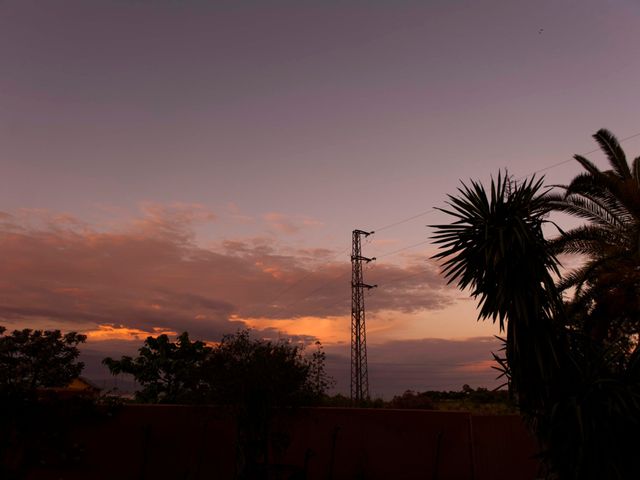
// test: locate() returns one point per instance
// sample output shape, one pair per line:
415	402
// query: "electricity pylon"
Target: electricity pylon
359	372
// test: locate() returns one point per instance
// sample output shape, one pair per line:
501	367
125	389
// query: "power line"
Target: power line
400	222
426	212
408	219
303	278
404	277
583	154
393	252
342	275
321	287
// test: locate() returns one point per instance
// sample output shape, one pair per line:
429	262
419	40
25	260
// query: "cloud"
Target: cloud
150	276
233	213
287	224
150	273
174	220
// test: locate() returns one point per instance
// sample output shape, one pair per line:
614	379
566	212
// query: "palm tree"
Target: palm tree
497	249
606	286
582	410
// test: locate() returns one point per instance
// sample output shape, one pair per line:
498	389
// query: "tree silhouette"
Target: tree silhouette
250	377
30	359
606	285
253	377
497	249
582	402
169	372
237	370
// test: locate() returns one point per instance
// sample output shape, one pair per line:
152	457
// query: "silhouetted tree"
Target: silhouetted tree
169	372
254	376
606	285
249	376
583	406
236	370
31	430
37	358
319	379
241	369
497	249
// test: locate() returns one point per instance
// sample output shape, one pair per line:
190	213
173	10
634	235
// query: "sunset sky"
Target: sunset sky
199	165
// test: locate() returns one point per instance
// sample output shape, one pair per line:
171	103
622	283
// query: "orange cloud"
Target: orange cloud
327	329
113	332
151	274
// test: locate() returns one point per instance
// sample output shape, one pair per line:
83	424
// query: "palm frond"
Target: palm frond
577	278
606	179
587	240
588	165
593	187
617	189
612	149
593	209
495	238
583	183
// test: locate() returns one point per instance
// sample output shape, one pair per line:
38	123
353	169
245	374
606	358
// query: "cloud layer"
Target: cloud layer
150	274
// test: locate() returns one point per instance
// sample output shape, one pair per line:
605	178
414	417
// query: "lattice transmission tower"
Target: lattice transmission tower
359	372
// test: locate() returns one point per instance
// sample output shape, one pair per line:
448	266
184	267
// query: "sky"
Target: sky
200	165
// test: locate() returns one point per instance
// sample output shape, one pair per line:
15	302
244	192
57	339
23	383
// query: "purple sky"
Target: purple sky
200	165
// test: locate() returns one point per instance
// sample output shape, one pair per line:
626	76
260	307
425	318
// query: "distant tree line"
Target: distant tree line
479	400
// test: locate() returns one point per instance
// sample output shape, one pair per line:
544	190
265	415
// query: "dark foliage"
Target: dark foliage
480	401
36	426
30	359
169	372
413	400
251	377
241	369
579	387
237	370
605	302
496	248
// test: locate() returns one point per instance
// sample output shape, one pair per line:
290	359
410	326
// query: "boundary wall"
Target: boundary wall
144	442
